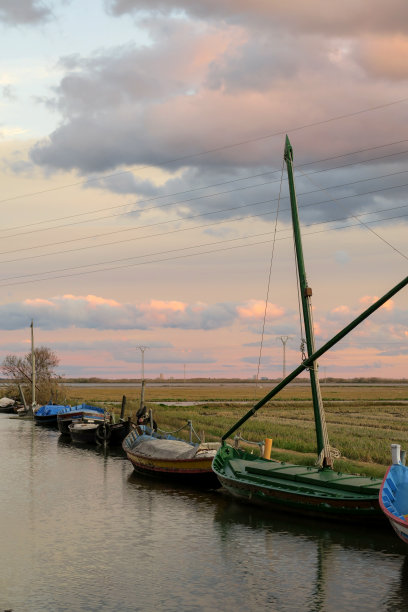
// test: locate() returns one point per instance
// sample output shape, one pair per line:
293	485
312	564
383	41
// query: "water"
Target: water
80	532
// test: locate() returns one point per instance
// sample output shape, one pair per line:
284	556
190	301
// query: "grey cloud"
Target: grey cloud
21	12
134	106
313	16
8	93
265	60
64	313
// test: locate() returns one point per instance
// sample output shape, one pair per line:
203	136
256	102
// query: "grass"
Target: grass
362	421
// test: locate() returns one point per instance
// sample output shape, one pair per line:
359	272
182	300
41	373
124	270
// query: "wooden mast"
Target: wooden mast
323	446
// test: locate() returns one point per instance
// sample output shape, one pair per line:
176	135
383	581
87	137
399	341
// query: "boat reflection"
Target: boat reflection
325	566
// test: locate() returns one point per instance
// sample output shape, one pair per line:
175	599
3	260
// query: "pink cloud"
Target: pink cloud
255	309
385	56
171	305
367	300
92	300
341	310
38	302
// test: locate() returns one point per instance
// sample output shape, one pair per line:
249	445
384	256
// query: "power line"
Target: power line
155	198
176	250
217	149
201	226
320	189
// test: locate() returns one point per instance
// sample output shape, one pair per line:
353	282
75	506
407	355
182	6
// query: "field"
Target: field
362	421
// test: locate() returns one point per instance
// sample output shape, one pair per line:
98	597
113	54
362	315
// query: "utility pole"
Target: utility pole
284	340
33	402
142	349
184	373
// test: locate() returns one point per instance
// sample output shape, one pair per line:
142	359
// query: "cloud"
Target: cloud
24	12
8	93
255	309
315	16
367	300
213	76
384	56
94	312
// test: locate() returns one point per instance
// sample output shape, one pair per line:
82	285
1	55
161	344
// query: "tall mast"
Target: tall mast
323	447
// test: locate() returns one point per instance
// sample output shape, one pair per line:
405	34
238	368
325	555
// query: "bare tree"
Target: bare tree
48	383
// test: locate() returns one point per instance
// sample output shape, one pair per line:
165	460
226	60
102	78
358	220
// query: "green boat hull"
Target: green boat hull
303	490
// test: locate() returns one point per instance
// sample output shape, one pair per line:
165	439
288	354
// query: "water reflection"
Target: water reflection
81	531
318	566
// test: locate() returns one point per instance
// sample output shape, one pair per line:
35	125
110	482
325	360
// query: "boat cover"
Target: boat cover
5	402
156	448
50	410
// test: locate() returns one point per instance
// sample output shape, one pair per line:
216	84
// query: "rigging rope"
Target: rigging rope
269	276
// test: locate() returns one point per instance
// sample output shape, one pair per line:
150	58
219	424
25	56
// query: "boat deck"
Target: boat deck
308	479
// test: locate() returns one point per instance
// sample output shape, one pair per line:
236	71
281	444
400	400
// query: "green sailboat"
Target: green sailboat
318	490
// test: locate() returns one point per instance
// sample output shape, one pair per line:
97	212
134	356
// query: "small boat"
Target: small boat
319	490
91	430
7	405
48	415
165	456
394	494
77	413
114	433
84	432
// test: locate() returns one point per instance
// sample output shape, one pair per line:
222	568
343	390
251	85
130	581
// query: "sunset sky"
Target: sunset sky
142	192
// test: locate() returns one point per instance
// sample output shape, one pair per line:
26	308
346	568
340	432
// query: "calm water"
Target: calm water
80	532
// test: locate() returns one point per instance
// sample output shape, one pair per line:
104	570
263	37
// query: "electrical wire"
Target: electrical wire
155	198
220	148
169	258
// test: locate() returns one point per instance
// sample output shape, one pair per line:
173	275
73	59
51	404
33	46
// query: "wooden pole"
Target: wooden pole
28	409
122	410
33	403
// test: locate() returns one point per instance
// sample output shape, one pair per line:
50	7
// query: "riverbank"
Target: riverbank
362	420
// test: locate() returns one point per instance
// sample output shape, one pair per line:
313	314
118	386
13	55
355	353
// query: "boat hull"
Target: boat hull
83	433
302	490
46	421
393	499
118	432
196	471
66	419
48	415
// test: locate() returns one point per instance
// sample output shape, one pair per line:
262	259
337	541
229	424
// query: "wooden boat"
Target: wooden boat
394	494
311	491
76	414
98	429
47	415
84	432
166	456
115	433
7	405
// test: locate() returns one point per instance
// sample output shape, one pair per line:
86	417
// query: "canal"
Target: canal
81	532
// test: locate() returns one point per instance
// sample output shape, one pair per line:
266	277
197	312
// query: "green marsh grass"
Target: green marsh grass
362	421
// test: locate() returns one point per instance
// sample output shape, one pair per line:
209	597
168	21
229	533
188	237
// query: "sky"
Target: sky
144	200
